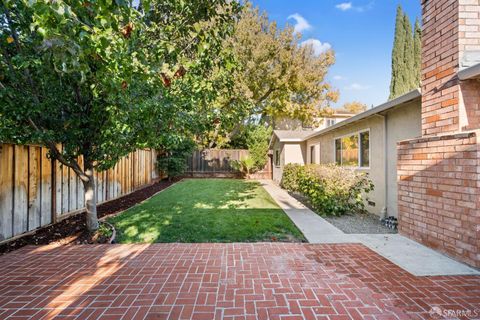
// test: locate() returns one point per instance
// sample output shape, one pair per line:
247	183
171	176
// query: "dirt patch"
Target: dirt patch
73	229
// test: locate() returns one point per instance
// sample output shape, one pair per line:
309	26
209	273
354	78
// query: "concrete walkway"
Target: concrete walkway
407	254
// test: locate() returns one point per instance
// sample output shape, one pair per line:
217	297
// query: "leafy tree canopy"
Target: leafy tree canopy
354	107
97	76
276	77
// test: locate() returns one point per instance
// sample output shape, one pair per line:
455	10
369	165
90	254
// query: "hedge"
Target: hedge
330	189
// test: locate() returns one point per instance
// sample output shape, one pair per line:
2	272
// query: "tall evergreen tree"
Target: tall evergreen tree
408	58
417	44
398	55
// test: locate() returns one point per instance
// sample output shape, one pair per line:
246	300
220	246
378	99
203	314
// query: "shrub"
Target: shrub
258	139
330	189
173	162
290	177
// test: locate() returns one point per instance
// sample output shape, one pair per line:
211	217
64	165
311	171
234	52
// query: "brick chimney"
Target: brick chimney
439	173
451	41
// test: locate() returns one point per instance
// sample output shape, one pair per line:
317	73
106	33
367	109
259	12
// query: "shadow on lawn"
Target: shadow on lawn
210	210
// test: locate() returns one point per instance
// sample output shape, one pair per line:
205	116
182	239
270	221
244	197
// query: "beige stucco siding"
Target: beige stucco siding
402	124
376	171
386	128
294	152
290	152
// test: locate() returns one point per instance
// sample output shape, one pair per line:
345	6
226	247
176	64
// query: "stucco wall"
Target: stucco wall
402	124
290	152
294	152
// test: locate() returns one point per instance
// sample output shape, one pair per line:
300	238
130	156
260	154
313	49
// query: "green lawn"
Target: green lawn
207	210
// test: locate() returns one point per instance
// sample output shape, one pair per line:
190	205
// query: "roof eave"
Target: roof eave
410	96
469	73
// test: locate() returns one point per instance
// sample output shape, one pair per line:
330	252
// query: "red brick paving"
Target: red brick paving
222	281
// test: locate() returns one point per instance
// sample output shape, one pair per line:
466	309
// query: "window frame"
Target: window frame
312	154
357	133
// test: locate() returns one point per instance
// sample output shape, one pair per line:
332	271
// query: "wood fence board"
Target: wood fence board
58	187
80	190
65	185
46	188
6	191
34	188
20	203
72	190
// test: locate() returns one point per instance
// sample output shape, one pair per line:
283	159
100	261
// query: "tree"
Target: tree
417	45
398	56
276	77
354	107
94	76
406	56
258	140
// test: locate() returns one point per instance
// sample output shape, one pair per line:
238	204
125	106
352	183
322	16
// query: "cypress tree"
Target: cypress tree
417	44
408	71
398	53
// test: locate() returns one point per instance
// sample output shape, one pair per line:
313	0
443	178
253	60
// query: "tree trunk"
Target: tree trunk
90	198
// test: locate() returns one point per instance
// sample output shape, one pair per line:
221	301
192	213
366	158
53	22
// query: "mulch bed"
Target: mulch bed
73	229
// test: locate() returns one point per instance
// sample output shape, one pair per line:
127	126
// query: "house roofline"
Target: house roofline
472	72
410	96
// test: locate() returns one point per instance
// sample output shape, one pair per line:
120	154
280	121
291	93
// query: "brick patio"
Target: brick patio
221	281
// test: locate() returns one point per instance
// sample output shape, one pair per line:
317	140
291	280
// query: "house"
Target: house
321	123
365	142
422	150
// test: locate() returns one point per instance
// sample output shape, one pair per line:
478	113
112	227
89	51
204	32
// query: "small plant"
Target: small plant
105	230
245	165
330	189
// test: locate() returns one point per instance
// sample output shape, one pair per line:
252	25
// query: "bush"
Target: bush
173	162
330	189
245	166
290	177
258	140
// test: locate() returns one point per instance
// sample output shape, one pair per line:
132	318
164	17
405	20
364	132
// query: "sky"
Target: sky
361	34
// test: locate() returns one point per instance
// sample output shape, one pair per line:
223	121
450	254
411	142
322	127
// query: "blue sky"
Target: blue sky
361	34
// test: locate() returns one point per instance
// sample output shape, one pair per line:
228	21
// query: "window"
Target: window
365	149
330	122
312	154
277	158
353	150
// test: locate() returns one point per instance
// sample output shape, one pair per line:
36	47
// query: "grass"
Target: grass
207	210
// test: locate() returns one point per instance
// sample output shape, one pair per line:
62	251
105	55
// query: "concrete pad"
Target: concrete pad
407	254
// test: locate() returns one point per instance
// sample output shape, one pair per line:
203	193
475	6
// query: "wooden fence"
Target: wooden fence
217	162
35	191
214	160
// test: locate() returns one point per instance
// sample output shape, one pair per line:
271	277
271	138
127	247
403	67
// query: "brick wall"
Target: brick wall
439	173
440	56
439	194
469	40
470	99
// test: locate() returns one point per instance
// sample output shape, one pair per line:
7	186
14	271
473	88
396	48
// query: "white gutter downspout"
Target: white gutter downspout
385	164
